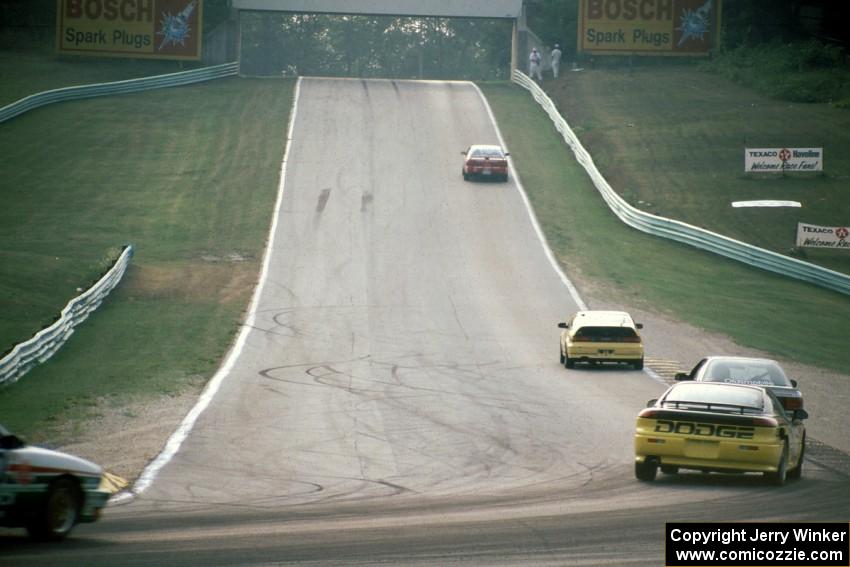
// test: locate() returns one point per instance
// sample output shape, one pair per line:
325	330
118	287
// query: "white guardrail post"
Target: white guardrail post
677	230
46	342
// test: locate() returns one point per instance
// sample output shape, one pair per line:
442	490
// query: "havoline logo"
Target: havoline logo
704	429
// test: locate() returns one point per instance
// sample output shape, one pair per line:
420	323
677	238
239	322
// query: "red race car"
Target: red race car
485	162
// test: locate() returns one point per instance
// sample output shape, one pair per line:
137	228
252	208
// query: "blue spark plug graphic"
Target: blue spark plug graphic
695	23
175	29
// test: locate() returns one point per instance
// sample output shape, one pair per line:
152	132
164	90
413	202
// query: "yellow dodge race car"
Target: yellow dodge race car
601	336
716	427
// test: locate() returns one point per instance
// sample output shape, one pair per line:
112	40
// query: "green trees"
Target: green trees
555	21
275	44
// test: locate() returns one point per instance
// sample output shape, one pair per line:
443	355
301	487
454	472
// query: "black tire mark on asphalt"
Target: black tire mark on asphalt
365	201
323	200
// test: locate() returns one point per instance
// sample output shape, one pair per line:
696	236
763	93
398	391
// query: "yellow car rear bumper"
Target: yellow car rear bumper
729	455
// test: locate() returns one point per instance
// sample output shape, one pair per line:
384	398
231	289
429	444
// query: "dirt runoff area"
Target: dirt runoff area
123	440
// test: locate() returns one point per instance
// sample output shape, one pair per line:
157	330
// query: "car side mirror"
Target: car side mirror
463	153
680	376
563	326
507	154
638	325
800	414
793	382
651	402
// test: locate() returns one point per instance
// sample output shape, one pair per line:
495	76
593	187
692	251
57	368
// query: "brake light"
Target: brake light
792	404
630	340
582	340
765	422
648	413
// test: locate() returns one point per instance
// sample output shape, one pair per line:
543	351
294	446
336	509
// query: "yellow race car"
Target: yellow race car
716	427
601	336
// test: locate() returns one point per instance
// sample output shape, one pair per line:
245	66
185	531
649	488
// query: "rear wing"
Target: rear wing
696	416
710	406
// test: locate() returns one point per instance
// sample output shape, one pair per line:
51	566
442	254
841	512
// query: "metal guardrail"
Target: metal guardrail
677	230
117	87
46	342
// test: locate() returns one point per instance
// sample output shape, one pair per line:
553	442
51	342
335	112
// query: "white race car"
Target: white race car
45	491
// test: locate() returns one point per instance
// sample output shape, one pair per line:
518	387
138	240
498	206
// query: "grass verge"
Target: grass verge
757	309
671	139
170	171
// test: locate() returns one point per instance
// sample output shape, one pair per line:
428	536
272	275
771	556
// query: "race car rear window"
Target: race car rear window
487	152
605	334
752	373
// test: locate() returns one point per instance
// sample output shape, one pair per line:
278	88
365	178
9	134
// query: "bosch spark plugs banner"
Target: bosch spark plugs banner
648	27
159	29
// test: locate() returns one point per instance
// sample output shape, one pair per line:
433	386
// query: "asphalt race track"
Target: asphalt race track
398	399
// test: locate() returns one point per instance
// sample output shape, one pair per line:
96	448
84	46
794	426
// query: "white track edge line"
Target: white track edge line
655	376
542	237
182	432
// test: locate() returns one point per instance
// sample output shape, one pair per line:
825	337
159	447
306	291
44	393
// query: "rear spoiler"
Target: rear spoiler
706	417
711	406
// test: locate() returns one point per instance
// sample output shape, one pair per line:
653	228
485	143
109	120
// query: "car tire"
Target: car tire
669	469
646	471
465	176
563	358
779	477
797	472
638	365
569	362
59	514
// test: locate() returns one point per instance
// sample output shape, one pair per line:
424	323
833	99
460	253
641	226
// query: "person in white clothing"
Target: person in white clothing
534	65
555	57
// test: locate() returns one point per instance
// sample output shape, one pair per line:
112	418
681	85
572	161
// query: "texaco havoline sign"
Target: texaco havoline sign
813	236
777	160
